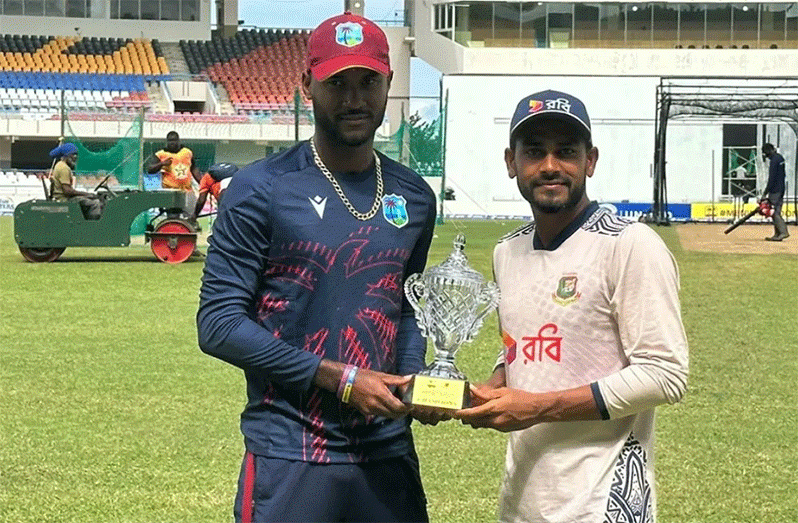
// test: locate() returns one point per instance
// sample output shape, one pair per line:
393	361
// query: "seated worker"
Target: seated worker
214	182
62	181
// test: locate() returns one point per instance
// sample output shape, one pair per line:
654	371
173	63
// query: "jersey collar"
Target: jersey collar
567	232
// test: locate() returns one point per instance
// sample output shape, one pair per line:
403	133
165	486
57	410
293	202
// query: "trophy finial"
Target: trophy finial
459	242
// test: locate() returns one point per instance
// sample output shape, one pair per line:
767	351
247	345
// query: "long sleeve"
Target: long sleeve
411	346
236	260
646	304
775	175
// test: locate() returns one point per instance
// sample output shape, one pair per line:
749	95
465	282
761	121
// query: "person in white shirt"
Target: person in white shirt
592	332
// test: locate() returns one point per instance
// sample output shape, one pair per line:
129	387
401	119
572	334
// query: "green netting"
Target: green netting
425	146
417	143
120	159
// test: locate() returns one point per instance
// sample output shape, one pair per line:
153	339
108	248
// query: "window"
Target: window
638	25
189	10
76	8
170	10
12	7
560	24
54	8
34	7
586	24
718	25
444	18
129	9
666	25
691	25
149	10
533	24
612	25
739	161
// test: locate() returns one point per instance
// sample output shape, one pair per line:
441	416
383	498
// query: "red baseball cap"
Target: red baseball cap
346	41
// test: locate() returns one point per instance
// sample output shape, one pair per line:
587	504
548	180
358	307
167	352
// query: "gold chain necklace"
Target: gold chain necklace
377	199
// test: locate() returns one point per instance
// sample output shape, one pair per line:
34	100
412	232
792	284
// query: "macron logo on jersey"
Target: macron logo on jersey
318	204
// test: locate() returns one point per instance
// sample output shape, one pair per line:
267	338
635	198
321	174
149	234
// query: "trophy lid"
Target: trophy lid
455	266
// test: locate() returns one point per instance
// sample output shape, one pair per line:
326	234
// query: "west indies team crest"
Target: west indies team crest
566	292
349	34
394	208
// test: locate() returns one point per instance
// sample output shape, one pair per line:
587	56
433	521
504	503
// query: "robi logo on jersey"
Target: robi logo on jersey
545	344
509	348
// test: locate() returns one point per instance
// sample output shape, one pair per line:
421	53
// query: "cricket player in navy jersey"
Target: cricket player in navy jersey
592	332
302	289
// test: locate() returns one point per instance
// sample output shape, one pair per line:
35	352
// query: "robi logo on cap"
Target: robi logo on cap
349	34
535	106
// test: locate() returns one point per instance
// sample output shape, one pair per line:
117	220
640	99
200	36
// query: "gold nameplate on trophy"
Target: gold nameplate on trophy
441	393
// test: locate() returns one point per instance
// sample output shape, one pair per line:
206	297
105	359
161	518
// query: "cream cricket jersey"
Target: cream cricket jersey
600	306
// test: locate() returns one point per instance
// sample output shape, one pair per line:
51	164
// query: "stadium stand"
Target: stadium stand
39	73
63	54
17	187
259	69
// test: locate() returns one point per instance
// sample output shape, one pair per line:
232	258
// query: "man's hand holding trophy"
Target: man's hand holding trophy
450	301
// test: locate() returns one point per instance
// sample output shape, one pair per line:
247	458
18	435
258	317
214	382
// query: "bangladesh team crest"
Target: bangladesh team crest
394	208
349	34
566	292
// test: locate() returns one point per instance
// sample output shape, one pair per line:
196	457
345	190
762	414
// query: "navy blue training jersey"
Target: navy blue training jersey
292	277
776	176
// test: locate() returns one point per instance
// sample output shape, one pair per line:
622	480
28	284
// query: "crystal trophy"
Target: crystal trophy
450	301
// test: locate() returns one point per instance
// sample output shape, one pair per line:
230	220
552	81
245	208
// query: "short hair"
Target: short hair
172	133
768	147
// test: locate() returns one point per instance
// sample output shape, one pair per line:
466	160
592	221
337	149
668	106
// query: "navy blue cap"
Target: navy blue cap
551	103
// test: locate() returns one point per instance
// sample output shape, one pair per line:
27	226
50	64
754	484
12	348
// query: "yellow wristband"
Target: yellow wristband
350	381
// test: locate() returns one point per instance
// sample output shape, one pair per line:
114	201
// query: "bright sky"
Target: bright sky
307	14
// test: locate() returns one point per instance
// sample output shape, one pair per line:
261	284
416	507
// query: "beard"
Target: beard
547	206
334	131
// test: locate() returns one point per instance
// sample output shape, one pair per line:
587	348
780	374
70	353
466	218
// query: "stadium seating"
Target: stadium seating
17	186
49	101
260	69
64	54
39	74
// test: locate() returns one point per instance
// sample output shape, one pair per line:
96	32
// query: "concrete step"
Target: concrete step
174	58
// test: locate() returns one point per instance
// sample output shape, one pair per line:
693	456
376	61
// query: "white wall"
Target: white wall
478	122
622	111
452	58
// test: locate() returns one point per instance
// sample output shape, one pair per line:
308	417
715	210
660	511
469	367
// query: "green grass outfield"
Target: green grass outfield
110	413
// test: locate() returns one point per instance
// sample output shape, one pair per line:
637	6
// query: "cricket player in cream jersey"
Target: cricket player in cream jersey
592	332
